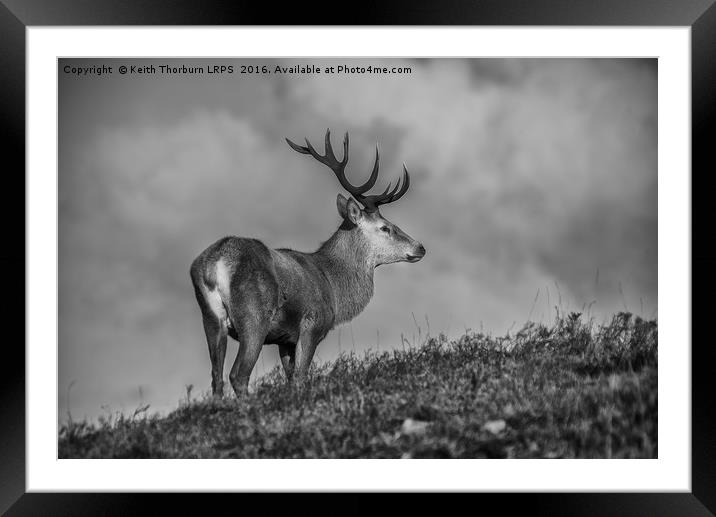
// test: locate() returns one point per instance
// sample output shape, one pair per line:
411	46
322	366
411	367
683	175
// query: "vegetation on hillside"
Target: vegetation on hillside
572	390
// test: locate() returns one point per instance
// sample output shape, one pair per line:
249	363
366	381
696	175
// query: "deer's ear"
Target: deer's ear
341	203
348	209
354	212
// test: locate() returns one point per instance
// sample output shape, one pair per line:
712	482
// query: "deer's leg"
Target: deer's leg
213	316
255	298
250	320
305	348
288	359
249	349
216	332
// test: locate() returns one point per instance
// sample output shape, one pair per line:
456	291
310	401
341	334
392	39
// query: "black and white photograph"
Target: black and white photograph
357	258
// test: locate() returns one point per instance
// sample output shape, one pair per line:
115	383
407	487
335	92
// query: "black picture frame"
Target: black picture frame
17	15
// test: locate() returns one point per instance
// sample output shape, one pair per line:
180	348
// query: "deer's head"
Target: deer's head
385	241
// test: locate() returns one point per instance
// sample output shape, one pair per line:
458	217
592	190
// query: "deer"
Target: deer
262	296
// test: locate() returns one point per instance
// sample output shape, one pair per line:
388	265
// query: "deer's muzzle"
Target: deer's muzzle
417	254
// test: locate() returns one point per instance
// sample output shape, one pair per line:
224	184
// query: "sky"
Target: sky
533	188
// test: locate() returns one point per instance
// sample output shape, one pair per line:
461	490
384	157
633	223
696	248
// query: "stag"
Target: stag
259	296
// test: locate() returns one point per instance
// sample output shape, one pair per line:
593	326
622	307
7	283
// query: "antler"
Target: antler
371	203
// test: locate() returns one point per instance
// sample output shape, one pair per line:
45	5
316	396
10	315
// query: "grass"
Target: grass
572	390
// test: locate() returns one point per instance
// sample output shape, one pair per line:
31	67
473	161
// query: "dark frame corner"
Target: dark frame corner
700	15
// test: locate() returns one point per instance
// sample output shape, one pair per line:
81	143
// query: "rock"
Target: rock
509	410
414	427
494	426
389	438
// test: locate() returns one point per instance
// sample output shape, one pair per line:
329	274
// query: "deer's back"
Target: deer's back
232	259
280	287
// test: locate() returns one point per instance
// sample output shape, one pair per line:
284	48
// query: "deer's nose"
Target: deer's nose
421	250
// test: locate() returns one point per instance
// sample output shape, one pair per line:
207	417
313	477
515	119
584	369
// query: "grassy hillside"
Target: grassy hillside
574	389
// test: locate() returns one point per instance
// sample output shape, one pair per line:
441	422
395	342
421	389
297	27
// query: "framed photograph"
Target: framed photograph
294	258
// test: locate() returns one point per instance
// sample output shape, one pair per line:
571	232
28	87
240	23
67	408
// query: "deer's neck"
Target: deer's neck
347	264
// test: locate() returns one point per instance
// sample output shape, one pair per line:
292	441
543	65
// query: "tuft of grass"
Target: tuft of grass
571	390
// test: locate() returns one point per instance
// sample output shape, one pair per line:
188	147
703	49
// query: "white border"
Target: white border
671	472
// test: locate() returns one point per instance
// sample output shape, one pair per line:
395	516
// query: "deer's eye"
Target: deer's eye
385	229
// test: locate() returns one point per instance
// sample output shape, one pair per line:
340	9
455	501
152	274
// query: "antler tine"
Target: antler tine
404	188
345	148
388	196
314	153
328	148
298	148
330	155
373	175
392	192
